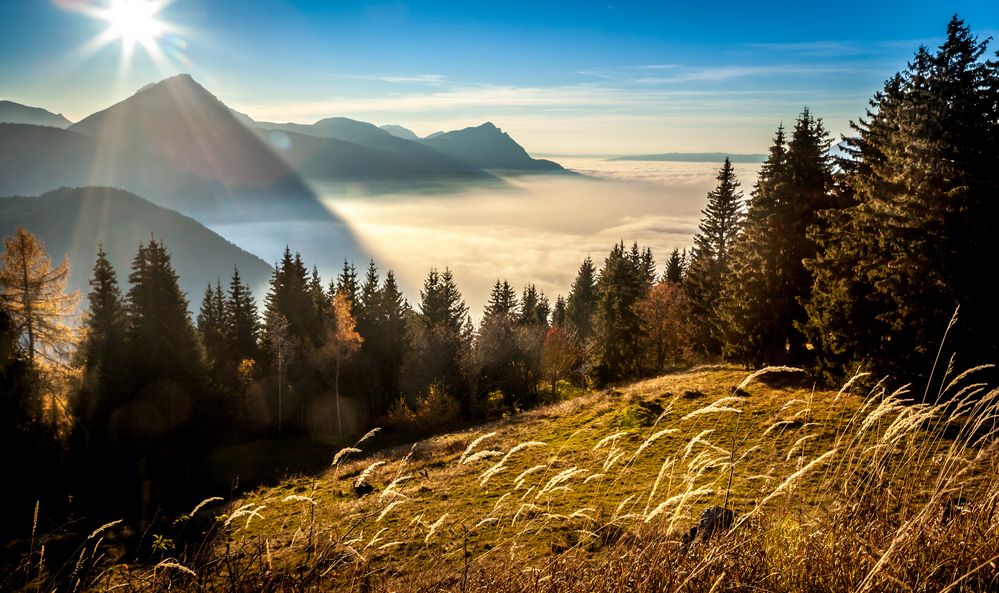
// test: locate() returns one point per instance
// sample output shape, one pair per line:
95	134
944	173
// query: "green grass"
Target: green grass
832	491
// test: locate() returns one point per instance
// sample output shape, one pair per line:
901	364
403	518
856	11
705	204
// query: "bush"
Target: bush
435	411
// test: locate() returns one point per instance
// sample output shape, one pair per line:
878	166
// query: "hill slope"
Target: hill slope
15	113
72	222
598	494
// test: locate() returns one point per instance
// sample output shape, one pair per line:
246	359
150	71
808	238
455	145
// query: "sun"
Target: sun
133	21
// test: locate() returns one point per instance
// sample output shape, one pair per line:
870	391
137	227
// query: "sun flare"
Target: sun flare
134	21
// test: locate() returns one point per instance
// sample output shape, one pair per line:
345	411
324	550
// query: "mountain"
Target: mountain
330	159
72	221
189	130
695	157
489	147
36	159
389	158
400	132
15	113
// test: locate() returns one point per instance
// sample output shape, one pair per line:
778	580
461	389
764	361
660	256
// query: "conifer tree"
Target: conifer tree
104	320
558	312
346	283
760	308
212	325
242	330
502	300
102	352
709	261
676	266
617	325
582	301
923	176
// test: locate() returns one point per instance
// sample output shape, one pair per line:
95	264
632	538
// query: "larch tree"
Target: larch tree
344	340
35	297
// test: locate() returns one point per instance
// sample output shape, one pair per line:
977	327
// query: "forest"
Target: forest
873	262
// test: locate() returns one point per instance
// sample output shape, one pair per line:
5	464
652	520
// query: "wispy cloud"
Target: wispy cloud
429	79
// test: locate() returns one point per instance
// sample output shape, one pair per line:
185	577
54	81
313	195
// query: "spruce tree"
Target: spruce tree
617	324
502	300
676	266
923	176
760	309
582	301
709	260
212	323
102	352
558	312
242	331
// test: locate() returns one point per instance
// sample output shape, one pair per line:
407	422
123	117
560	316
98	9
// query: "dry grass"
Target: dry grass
832	491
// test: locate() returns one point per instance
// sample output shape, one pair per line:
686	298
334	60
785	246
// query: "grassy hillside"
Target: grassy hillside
831	492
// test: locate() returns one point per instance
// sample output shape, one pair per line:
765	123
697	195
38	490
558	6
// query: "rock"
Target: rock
692	394
713	520
363	489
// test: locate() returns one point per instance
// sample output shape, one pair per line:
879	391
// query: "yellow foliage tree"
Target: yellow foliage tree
34	294
344	341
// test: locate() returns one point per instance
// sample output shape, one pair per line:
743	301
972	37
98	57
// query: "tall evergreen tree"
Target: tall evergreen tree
441	302
923	176
617	326
676	266
346	284
709	261
502	300
760	308
582	301
242	331
558	312
101	353
212	325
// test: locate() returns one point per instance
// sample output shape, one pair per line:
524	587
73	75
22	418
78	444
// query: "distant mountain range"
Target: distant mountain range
15	113
176	144
695	157
72	222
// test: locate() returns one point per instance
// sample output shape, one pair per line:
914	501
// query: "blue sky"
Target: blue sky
610	77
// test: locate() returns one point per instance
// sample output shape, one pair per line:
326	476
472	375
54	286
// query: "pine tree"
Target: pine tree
558	312
161	336
582	301
242	331
212	325
346	284
760	309
617	326
923	178
104	321
441	302
502	300
102	351
369	305
676	266
709	261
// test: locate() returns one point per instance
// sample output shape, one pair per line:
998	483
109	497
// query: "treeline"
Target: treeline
859	263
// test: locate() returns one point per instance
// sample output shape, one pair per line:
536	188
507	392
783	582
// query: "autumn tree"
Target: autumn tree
559	353
665	314
34	295
342	340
